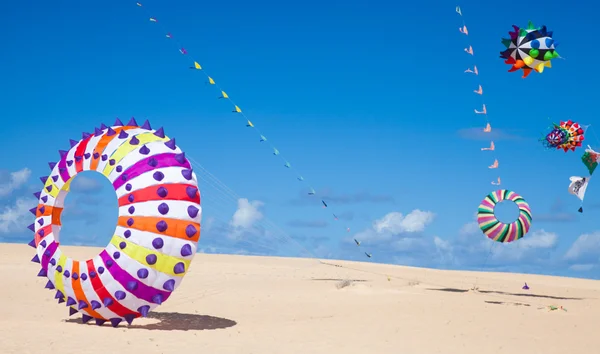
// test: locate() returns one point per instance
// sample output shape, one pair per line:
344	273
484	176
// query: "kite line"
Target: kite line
489	224
195	65
479	91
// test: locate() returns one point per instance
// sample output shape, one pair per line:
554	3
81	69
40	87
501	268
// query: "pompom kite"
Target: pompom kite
529	49
157	232
496	230
566	136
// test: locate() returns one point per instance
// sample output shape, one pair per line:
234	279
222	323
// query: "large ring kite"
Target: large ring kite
157	231
497	230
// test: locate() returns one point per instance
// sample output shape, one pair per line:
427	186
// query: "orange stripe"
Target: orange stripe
102	145
176	228
56	213
79	294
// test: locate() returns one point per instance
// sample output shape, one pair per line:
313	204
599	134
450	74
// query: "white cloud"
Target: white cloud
247	214
396	223
582	267
16	218
16	180
586	246
469	229
525	247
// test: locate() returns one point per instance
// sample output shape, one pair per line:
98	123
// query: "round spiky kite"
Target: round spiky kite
566	136
529	49
157	231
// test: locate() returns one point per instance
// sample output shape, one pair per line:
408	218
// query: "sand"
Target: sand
260	305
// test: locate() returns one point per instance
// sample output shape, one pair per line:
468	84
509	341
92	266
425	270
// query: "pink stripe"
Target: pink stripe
492	233
487	204
486	218
51	249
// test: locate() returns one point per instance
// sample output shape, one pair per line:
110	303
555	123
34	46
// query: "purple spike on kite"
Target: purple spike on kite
52	165
110	132
160	132
132	122
103	126
37	194
100	322
171	144
129	318
118	123
72	311
44	179
73	142
123	135
146	125
62	153
42	272
32	243
85	318
33	211
35	259
85	135
97	132
70	301
115	321
143	310
49	285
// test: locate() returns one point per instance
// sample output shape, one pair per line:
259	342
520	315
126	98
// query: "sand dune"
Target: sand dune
241	304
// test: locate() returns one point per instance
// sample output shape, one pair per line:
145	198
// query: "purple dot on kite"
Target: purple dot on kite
162	192
142	273
192	211
186	250
158	176
190	231
158	243
163	208
151	259
169	285
162	226
179	268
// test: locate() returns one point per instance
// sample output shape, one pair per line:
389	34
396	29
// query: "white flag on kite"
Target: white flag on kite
578	186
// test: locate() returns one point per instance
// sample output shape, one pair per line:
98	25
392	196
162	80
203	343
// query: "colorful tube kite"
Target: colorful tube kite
566	136
529	49
497	230
157	232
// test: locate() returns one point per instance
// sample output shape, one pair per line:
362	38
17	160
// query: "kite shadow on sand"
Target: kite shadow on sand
174	321
455	290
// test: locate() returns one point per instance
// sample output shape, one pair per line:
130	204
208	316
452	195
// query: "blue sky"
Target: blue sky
368	100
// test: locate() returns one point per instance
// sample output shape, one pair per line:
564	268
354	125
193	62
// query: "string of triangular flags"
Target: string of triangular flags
238	111
479	91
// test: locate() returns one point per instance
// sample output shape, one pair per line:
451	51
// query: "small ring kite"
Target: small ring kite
497	230
157	231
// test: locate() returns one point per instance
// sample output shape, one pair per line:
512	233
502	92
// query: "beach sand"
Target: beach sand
260	305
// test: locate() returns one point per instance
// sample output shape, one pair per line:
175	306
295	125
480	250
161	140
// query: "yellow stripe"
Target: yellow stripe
55	189
164	264
58	276
126	148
